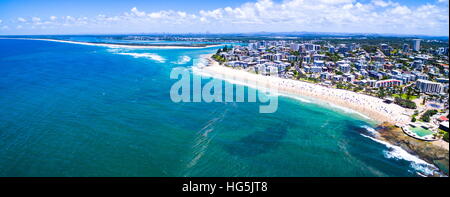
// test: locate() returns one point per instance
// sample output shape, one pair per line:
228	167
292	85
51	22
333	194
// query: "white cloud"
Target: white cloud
1	21
375	16
182	14
157	15
5	27
216	14
136	12
69	18
20	19
401	10
380	3
335	1
333	15
35	19
19	27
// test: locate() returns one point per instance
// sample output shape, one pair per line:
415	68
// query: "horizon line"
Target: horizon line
230	33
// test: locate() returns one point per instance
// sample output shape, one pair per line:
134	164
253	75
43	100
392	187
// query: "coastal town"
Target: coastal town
406	76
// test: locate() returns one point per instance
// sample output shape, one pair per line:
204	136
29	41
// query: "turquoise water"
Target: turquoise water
114	40
75	110
421	131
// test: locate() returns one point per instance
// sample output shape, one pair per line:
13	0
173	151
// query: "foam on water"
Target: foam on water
151	56
182	60
393	152
396	152
196	69
370	130
117	50
348	110
201	64
202	141
296	98
171	139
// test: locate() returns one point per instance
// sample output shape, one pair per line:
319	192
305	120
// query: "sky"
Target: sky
417	17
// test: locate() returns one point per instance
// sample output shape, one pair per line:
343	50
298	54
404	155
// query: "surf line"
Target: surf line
213	90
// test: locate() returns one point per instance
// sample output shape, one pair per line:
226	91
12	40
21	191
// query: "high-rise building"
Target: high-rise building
295	46
384	47
405	48
331	49
309	46
429	86
416	44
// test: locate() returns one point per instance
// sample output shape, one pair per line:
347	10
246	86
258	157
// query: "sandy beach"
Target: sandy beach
118	45
369	106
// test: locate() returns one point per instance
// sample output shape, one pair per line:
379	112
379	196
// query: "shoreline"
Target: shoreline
435	153
385	115
130	46
364	105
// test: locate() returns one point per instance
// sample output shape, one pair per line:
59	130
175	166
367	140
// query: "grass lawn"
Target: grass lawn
404	96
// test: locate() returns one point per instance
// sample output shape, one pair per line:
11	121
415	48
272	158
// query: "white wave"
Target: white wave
203	62
370	130
200	63
151	56
183	60
296	97
202	141
396	152
348	110
114	50
196	69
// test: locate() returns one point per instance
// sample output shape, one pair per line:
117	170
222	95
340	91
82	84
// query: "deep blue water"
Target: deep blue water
75	110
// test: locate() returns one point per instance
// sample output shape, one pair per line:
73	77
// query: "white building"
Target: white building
292	58
429	86
345	68
416	44
295	46
319	63
387	83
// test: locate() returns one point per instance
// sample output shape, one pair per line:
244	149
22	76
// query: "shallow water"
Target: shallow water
74	110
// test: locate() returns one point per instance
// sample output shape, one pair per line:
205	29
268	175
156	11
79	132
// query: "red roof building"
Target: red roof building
443	118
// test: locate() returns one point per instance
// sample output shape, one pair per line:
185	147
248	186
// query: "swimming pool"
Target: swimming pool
421	131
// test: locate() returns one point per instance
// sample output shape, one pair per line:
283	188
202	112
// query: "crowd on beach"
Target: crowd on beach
372	107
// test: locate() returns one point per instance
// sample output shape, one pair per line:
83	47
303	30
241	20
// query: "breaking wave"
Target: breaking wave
396	152
151	56
183	60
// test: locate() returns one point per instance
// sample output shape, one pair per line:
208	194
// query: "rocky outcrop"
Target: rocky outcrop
425	150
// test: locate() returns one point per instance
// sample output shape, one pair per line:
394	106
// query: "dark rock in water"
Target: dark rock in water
425	150
258	142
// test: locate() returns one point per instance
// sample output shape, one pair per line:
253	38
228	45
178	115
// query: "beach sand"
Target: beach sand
369	106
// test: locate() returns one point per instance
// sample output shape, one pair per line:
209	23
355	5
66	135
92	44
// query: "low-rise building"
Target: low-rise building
387	83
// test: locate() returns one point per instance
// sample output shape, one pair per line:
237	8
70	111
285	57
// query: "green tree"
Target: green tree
409	92
381	93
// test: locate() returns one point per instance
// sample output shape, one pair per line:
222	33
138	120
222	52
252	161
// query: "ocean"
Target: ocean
70	110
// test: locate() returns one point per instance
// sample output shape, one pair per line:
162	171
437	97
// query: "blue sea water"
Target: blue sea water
76	110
